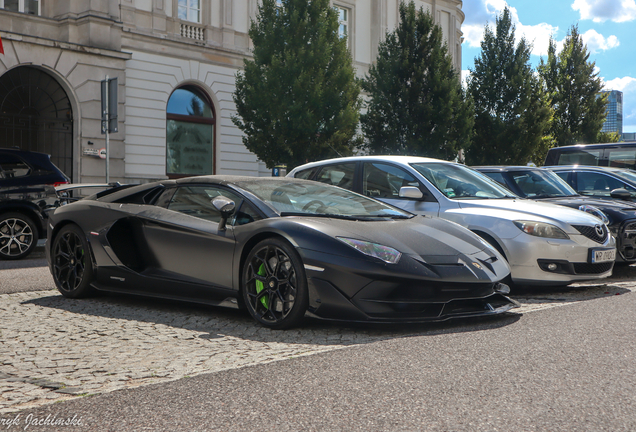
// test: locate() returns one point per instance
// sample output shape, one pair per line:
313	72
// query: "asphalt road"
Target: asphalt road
559	369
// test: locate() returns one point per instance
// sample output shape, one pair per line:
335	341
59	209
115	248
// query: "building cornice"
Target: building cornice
69	46
135	40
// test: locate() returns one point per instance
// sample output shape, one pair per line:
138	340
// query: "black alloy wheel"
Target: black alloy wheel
18	236
274	284
72	267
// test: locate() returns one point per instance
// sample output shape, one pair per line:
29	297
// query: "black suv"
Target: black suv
27	189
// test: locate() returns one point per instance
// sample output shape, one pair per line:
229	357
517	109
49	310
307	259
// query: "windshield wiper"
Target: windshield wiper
396	216
345	217
324	215
548	196
489	198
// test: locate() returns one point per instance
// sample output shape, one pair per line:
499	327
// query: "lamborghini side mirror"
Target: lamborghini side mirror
226	207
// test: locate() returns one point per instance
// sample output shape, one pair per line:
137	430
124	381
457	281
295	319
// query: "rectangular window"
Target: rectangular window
31	7
343	21
190	10
12	167
339	175
622	158
590	157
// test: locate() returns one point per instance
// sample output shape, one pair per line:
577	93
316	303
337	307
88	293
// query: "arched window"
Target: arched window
190	133
36	115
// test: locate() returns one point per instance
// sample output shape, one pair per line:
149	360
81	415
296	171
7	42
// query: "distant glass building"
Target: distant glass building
614	119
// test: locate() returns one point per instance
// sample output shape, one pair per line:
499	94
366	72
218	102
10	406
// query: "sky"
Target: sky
608	28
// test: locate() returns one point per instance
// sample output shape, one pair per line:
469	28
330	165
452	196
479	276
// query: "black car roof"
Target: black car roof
21	152
586	167
599	145
233	179
117	193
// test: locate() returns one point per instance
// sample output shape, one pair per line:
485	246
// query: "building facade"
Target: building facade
614	112
175	62
628	136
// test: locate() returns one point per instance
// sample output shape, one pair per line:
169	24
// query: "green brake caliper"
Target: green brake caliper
260	287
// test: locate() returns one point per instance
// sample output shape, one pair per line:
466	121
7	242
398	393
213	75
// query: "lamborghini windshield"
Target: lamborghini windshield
303	197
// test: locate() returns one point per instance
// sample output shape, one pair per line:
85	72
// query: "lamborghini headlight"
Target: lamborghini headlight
540	229
384	253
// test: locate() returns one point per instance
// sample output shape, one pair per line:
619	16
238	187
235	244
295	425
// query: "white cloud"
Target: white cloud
465	75
482	12
628	86
539	36
603	10
597	42
621	84
473	34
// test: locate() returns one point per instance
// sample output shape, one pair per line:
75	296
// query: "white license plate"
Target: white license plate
603	255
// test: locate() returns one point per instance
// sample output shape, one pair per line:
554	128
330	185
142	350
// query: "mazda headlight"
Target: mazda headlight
541	229
384	253
595	211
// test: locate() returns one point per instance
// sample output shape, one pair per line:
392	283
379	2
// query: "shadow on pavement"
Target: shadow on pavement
546	296
218	322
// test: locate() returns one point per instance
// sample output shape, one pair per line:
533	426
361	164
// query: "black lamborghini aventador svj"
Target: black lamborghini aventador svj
282	248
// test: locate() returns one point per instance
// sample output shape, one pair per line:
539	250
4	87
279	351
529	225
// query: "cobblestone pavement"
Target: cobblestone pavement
53	349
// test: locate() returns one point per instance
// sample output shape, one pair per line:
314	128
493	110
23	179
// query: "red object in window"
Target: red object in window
1	49
59	184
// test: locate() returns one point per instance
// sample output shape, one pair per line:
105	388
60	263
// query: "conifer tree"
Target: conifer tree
416	103
298	99
512	113
574	89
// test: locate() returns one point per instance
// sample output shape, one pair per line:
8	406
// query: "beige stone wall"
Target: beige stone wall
152	52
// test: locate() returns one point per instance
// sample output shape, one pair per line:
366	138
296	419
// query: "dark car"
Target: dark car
599	182
279	247
544	185
27	190
618	155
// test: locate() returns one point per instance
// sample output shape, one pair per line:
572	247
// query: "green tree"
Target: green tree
574	91
298	99
512	113
416	102
608	137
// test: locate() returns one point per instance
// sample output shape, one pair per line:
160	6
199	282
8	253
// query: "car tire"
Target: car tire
71	263
18	236
274	284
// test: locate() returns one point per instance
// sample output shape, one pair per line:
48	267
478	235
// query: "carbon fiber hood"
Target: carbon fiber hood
421	235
